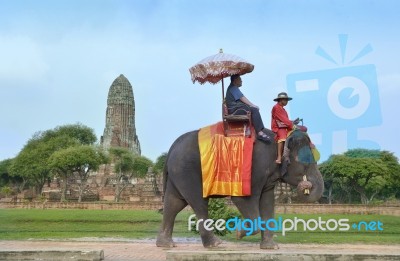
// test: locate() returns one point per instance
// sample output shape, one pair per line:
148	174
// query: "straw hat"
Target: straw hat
282	95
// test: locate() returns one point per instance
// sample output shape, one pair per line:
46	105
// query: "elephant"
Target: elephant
183	184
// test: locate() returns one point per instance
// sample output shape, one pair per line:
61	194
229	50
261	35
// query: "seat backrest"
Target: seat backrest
224	109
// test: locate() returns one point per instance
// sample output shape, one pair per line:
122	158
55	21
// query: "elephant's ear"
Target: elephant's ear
288	145
305	155
284	166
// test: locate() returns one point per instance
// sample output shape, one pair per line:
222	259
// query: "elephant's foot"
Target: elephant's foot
163	241
269	244
214	241
242	233
239	234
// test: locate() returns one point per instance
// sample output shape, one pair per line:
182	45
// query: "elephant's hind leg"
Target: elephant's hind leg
173	204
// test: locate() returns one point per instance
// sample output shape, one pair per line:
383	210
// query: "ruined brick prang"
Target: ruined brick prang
120	128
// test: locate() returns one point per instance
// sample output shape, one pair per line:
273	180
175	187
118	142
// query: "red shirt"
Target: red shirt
280	118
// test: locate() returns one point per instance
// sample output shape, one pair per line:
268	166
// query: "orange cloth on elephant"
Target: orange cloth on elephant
280	123
225	162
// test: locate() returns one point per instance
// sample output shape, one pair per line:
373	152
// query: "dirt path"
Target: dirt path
146	249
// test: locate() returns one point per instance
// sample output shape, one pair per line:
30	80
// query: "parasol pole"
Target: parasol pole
223	91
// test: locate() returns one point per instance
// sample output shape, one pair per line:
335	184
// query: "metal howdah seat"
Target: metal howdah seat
236	125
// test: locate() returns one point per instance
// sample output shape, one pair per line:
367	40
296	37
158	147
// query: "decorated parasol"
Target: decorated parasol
215	68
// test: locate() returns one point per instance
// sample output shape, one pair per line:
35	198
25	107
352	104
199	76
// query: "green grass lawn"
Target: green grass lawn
21	224
389	235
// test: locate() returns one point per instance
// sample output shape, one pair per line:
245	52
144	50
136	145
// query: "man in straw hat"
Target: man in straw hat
280	123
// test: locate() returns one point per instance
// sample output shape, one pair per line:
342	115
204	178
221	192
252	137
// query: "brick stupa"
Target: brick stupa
120	128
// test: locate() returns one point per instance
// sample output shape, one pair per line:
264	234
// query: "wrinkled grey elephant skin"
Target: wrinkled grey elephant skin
183	185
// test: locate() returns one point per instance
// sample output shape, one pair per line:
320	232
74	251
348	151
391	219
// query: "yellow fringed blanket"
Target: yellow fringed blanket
225	162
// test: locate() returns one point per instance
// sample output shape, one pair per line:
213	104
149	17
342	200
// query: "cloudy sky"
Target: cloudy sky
59	58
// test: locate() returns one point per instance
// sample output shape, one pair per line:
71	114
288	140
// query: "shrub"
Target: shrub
6	190
218	209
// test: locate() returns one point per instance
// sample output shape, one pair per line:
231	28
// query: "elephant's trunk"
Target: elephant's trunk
311	188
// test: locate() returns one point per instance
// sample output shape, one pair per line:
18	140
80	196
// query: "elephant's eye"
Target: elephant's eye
304	155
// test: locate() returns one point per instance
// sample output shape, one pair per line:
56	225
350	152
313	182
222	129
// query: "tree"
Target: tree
82	134
140	166
78	160
337	187
329	182
32	162
16	183
367	172
392	180
158	169
127	166
160	162
4	172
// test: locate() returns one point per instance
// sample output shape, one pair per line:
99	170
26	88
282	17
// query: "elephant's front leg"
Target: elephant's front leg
200	208
249	208
267	210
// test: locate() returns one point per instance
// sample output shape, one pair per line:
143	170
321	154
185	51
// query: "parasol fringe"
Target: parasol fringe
214	68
